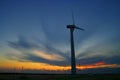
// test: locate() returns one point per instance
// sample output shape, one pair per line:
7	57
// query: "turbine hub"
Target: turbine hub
71	26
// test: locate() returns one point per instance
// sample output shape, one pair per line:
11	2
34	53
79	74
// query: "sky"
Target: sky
33	34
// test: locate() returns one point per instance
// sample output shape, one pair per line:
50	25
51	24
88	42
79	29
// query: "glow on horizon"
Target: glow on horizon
11	65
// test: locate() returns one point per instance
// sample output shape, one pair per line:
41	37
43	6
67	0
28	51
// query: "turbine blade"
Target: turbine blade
73	18
80	28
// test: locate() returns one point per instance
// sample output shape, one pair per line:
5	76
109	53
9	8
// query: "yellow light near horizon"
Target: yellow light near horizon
12	64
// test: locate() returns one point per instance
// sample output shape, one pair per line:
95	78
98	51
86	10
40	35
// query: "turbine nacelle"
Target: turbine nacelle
73	27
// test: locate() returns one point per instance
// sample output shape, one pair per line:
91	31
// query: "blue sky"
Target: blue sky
30	26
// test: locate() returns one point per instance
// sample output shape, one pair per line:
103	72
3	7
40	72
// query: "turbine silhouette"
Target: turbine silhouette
73	62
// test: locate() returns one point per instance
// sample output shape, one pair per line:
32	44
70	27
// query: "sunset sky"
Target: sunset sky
33	34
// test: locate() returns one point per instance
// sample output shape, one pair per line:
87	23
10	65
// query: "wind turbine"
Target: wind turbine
72	28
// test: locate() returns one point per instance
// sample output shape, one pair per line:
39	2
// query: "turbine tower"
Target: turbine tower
72	28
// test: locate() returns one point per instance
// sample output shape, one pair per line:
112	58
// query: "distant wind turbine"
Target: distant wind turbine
73	62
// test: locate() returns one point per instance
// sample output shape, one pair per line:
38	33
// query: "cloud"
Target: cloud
104	44
103	51
92	49
100	46
22	43
100	64
51	57
37	52
95	59
35	58
61	50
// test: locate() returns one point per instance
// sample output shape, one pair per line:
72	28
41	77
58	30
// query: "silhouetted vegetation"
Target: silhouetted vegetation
20	76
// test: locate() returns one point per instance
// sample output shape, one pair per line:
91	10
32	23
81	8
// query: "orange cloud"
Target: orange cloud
97	65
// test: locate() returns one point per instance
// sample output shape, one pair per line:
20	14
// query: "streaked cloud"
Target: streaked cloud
52	57
101	43
22	43
28	51
98	65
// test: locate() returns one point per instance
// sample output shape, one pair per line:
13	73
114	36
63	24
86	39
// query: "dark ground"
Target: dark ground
25	76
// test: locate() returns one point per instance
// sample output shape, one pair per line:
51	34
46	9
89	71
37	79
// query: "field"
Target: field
19	76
